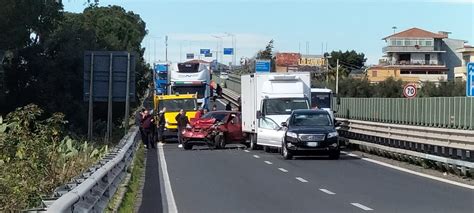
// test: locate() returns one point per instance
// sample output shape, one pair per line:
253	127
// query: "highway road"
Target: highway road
240	180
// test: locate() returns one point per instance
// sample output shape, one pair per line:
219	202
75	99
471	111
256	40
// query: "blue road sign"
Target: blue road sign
204	51
470	80
208	55
228	51
262	66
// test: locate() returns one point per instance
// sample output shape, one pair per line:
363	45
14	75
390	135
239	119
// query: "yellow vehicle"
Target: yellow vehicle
173	104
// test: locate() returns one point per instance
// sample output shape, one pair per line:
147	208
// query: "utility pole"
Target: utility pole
166	49
337	77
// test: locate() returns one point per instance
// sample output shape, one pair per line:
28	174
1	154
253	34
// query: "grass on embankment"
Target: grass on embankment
133	188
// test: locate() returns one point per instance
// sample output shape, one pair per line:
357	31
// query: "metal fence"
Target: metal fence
443	112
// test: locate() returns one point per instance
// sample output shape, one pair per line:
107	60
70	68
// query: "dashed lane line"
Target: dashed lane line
358	205
301	179
327	191
268	162
283	170
246	150
256	156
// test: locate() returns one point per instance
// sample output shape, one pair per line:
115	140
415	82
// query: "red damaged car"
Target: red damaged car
215	129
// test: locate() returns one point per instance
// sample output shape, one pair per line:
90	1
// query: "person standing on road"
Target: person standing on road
182	121
147	125
228	107
161	125
138	122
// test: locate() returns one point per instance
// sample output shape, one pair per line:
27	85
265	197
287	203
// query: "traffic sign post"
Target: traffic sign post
262	65
409	91
470	80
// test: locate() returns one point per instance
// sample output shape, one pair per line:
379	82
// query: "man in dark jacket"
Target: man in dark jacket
147	125
161	125
182	121
138	122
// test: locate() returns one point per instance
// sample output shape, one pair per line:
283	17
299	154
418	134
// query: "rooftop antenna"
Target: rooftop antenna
394	28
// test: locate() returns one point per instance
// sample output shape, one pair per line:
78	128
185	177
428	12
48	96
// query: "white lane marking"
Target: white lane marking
283	170
413	172
362	206
256	156
349	154
301	180
327	191
246	151
166	179
268	162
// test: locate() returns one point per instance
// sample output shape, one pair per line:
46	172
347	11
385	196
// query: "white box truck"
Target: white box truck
268	100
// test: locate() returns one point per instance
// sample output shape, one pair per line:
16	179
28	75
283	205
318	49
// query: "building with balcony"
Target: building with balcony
419	54
467	57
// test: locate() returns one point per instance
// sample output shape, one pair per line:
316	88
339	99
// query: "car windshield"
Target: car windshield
311	119
321	100
284	106
219	116
175	105
200	90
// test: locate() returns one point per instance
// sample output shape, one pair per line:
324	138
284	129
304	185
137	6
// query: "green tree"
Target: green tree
49	72
348	61
390	88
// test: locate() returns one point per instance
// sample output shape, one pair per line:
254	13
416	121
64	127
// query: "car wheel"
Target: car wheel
334	155
219	141
187	146
286	153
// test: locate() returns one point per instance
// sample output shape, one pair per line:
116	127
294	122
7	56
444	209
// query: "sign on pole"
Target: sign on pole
208	55
262	65
109	76
190	56
228	51
470	80
204	51
99	64
409	91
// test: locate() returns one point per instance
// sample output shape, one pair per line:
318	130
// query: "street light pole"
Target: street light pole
337	77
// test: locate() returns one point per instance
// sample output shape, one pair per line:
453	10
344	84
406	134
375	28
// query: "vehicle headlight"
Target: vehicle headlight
333	134
292	135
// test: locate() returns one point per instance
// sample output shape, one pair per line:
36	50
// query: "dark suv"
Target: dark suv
310	132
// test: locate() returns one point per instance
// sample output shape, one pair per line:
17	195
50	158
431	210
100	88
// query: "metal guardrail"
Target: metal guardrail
442	112
91	191
451	146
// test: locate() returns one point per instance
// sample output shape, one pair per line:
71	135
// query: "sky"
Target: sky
324	25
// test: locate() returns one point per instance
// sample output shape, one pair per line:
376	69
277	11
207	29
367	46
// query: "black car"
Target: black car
310	132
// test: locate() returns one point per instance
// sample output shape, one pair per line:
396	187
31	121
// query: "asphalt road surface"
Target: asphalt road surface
239	180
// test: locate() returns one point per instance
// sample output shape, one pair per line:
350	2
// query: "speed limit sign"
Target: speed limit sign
409	91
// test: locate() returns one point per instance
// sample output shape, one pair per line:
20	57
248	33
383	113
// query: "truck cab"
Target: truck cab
268	99
173	104
321	98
